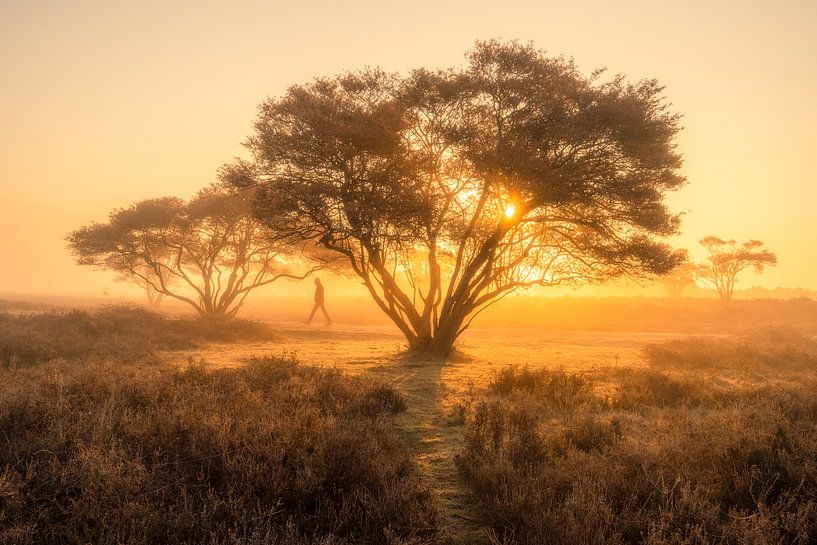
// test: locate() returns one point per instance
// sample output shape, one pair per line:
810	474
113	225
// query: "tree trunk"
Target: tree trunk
215	316
441	343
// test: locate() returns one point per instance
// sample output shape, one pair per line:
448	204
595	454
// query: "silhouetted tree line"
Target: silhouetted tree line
443	191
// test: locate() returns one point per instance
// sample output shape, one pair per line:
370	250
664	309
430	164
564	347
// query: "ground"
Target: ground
635	380
433	386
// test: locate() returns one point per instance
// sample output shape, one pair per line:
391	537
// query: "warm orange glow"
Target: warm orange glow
110	103
510	210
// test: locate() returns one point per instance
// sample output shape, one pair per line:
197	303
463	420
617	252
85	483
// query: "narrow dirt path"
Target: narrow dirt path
425	424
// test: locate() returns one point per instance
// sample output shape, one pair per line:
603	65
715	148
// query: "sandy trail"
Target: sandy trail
425	425
431	386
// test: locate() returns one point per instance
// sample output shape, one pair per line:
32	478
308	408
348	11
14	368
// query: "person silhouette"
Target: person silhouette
319	303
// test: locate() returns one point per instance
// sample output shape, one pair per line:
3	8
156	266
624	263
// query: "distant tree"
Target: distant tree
146	280
446	191
680	278
208	252
727	259
154	297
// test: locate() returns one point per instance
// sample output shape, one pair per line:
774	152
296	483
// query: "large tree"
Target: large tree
209	252
727	259
448	190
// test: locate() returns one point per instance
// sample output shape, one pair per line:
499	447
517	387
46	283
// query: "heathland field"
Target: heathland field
119	425
555	287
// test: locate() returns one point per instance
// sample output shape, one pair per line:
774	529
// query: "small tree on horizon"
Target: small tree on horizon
208	252
146	280
727	259
680	278
446	191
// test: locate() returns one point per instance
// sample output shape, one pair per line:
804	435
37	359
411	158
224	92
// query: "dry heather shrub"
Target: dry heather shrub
646	388
23	306
115	332
768	348
268	453
561	391
666	466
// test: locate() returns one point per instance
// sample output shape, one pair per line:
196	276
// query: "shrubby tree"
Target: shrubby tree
154	297
146	280
209	252
446	191
727	259
680	278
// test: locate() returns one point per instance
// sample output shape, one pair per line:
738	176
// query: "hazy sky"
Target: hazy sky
106	103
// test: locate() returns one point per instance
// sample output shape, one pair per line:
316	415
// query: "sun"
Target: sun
510	210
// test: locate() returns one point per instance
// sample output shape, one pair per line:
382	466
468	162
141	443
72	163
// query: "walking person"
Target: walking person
319	303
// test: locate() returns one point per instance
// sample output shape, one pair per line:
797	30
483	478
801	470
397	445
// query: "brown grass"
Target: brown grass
666	459
764	349
268	453
116	333
714	442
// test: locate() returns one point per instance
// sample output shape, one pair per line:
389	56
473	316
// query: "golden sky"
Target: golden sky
106	103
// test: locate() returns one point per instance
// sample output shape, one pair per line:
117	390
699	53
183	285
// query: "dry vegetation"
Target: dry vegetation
768	349
268	453
714	442
118	333
23	306
662	458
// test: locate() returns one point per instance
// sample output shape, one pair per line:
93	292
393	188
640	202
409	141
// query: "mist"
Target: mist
416	274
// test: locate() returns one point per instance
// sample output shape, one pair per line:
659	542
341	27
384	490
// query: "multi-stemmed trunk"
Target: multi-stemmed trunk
433	329
441	342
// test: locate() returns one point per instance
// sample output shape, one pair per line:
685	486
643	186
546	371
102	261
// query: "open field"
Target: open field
416	273
271	452
593	436
665	458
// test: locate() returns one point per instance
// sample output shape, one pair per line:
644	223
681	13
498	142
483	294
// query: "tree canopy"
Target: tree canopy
209	252
447	190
